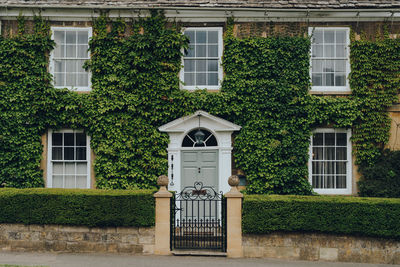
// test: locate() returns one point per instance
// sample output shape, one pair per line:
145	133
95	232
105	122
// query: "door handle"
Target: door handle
199	170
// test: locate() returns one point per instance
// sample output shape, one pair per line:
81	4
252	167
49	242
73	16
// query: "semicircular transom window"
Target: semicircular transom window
190	141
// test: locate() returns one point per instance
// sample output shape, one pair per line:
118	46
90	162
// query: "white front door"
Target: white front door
200	166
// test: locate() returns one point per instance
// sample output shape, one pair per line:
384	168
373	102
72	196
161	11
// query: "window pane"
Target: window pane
318	139
201	79
83	51
317	37
213	50
317	181
213	37
317	153
329	79
59	79
81	153
81	168
69	181
189	78
59	66
329	36
81	181
71	37
71	79
213	79
70	65
317	168
58	181
201	65
190	35
329	66
191	51
56	139
340	51
329	167
201	50
340	167
329	182
341	36
317	51
59	51
83	37
317	79
189	65
317	65
59	37
68	153
71	51
329	153
69	139
340	79
340	65
340	181
341	153
70	168
58	168
212	65
56	153
341	139
329	51
201	37
83	80
329	139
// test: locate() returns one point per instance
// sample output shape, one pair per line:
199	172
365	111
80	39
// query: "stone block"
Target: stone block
291	253
111	238
55	246
104	230
127	230
253	252
128	238
51	227
75	229
14	235
309	253
129	248
35	236
36	227
92	237
86	247
146	231
146	239
148	249
328	254
112	247
79	236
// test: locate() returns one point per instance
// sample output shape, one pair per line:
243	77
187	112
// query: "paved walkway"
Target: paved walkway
118	260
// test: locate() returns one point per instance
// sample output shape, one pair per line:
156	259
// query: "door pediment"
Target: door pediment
207	121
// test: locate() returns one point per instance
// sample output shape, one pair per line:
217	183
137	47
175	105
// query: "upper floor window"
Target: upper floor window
68	57
330	161
330	59
68	159
202	62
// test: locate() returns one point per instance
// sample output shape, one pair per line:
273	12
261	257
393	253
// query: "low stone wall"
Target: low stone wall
61	238
324	247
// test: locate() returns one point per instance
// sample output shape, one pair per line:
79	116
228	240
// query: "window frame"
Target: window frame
345	88
51	64
50	161
220	69
349	163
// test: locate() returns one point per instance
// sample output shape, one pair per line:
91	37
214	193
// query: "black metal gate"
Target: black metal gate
198	219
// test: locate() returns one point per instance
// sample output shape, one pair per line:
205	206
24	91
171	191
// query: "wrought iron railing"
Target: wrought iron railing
198	219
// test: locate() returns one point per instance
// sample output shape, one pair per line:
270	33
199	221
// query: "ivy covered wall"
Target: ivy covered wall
135	89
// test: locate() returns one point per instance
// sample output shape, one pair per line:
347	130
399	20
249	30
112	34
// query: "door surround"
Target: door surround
179	128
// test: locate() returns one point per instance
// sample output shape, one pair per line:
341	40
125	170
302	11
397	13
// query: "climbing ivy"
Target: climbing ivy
136	89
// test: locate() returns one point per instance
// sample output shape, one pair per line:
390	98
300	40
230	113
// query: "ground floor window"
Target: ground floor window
330	161
68	159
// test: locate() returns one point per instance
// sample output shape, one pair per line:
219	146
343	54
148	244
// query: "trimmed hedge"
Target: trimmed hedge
77	207
378	217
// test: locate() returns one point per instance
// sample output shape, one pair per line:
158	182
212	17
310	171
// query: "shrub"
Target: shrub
383	178
77	207
327	214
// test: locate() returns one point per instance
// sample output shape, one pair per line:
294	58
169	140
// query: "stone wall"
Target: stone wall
61	238
322	247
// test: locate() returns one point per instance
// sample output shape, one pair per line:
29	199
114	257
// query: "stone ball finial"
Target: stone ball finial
162	180
233	180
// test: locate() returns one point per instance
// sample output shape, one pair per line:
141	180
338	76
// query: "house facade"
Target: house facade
202	144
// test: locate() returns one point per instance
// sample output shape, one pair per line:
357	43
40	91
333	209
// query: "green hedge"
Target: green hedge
77	207
328	214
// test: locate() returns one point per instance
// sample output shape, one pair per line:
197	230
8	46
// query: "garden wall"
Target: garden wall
62	238
322	247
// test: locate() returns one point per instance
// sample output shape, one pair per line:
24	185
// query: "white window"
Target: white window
68	159
202	62
66	61
330	161
330	65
